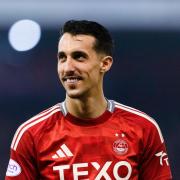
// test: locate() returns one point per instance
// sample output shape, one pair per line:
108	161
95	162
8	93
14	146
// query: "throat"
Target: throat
86	109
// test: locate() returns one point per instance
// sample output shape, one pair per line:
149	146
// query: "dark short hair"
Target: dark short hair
103	44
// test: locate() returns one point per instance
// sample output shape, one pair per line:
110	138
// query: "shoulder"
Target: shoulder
138	117
37	122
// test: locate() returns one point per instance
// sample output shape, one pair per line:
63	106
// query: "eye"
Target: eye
80	56
61	57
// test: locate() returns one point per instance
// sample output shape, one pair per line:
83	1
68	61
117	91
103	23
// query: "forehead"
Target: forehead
69	42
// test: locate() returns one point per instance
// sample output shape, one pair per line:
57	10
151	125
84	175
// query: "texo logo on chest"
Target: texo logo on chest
77	174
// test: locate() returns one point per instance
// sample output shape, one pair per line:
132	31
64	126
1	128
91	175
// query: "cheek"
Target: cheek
60	74
94	73
95	70
59	69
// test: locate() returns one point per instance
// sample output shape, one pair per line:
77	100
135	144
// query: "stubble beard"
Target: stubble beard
76	93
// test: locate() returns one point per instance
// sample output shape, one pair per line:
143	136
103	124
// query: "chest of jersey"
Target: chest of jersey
89	152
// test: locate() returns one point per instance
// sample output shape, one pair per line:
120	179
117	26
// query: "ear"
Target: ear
106	63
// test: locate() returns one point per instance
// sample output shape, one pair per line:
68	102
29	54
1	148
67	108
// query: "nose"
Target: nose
69	65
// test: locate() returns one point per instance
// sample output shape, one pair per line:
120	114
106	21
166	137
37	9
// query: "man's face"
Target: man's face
79	65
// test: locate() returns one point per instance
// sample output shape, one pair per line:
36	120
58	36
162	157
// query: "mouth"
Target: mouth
71	79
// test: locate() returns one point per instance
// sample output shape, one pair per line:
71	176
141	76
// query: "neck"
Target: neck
90	107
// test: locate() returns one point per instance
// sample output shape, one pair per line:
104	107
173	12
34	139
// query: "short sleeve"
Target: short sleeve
22	164
154	162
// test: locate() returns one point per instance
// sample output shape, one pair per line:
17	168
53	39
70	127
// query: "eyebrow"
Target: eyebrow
62	53
80	53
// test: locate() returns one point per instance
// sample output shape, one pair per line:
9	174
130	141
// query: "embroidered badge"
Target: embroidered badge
120	147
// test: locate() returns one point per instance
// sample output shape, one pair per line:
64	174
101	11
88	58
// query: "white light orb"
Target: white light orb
24	35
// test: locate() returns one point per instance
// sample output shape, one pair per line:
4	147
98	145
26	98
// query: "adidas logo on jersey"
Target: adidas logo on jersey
62	152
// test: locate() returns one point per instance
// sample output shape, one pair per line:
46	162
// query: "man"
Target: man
88	136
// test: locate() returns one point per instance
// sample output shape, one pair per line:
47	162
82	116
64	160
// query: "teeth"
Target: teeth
72	80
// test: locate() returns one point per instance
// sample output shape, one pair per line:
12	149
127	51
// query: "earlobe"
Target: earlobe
103	70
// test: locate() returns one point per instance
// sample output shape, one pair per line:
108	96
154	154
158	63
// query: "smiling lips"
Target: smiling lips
71	79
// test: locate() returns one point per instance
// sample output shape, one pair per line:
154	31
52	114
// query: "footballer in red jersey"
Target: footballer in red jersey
87	137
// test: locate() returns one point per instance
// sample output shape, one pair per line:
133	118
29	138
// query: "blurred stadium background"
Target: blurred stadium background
145	75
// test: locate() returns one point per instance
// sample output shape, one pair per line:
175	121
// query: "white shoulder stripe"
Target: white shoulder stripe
139	113
34	120
116	103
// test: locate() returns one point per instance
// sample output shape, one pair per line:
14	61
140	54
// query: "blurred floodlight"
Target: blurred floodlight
24	35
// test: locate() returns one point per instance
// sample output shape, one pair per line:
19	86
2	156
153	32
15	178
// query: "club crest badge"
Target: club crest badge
120	147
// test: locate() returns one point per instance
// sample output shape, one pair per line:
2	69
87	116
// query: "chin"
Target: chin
74	94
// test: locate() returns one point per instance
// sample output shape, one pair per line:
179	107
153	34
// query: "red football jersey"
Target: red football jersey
123	143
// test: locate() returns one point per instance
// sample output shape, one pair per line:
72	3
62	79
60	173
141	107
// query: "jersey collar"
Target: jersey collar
110	107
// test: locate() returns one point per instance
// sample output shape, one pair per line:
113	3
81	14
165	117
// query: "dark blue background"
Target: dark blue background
145	75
